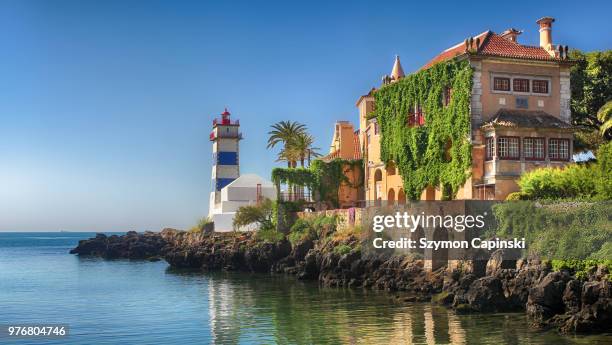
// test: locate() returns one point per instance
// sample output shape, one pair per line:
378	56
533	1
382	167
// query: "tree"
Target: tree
262	214
285	132
591	88
302	147
604	115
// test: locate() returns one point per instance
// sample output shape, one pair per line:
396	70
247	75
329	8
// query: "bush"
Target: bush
342	249
517	196
580	268
261	214
312	228
604	180
203	224
574	181
589	181
567	230
269	235
301	230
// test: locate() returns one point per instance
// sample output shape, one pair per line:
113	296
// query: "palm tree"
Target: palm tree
302	145
285	132
289	155
604	115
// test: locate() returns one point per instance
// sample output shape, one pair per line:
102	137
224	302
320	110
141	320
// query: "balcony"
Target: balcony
214	137
226	122
299	195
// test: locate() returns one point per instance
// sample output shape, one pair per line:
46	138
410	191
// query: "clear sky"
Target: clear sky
106	106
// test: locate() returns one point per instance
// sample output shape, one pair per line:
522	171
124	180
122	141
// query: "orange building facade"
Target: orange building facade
520	116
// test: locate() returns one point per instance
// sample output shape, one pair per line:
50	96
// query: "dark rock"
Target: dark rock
486	295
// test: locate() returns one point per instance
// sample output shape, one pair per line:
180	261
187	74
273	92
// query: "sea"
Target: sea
140	302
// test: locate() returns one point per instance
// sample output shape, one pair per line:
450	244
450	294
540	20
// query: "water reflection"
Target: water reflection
246	309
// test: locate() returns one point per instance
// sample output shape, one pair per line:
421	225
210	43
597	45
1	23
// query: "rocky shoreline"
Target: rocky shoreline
550	299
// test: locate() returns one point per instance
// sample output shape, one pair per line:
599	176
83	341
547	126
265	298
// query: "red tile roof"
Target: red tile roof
496	45
492	44
453	51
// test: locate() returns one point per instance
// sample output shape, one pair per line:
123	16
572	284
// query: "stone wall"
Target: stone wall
344	216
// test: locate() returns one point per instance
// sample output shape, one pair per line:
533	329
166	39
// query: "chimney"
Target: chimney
546	34
511	34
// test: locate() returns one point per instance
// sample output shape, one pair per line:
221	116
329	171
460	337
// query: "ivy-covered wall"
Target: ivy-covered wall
323	178
419	152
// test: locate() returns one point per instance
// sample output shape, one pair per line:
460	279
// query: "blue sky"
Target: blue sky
106	106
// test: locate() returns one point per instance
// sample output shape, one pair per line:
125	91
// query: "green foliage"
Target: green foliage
342	249
303	177
589	181
261	214
517	196
323	178
297	143
419	152
573	181
269	235
557	230
604	172
591	86
312	228
604	115
203	223
581	268
300	231
329	176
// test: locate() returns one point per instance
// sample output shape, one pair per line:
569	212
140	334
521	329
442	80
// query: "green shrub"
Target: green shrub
517	196
574	181
312	228
580	268
557	230
604	178
261	214
301	230
342	249
202	225
269	235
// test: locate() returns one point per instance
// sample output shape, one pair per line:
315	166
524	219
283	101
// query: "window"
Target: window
522	103
520	85
447	96
508	147
540	86
558	149
533	148
375	128
420	116
416	117
490	147
501	84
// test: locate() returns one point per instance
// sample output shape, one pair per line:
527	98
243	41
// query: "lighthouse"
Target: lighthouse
225	137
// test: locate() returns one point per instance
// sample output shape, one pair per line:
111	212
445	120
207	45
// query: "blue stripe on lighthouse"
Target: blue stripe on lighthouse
227	158
222	182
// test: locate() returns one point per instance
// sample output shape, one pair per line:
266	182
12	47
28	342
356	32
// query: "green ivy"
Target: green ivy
419	152
322	177
293	176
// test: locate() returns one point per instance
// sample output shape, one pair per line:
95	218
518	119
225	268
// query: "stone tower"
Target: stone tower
225	137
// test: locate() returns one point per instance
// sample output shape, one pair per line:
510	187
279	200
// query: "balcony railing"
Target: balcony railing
225	135
296	196
226	122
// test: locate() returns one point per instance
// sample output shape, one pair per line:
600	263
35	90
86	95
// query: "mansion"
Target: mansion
519	113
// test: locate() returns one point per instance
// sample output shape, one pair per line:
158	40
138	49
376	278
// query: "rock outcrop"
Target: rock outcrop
132	245
550	299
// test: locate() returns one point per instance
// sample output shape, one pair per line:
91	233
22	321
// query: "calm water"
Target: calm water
127	302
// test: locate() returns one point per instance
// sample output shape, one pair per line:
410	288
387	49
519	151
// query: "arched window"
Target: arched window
391	196
401	197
